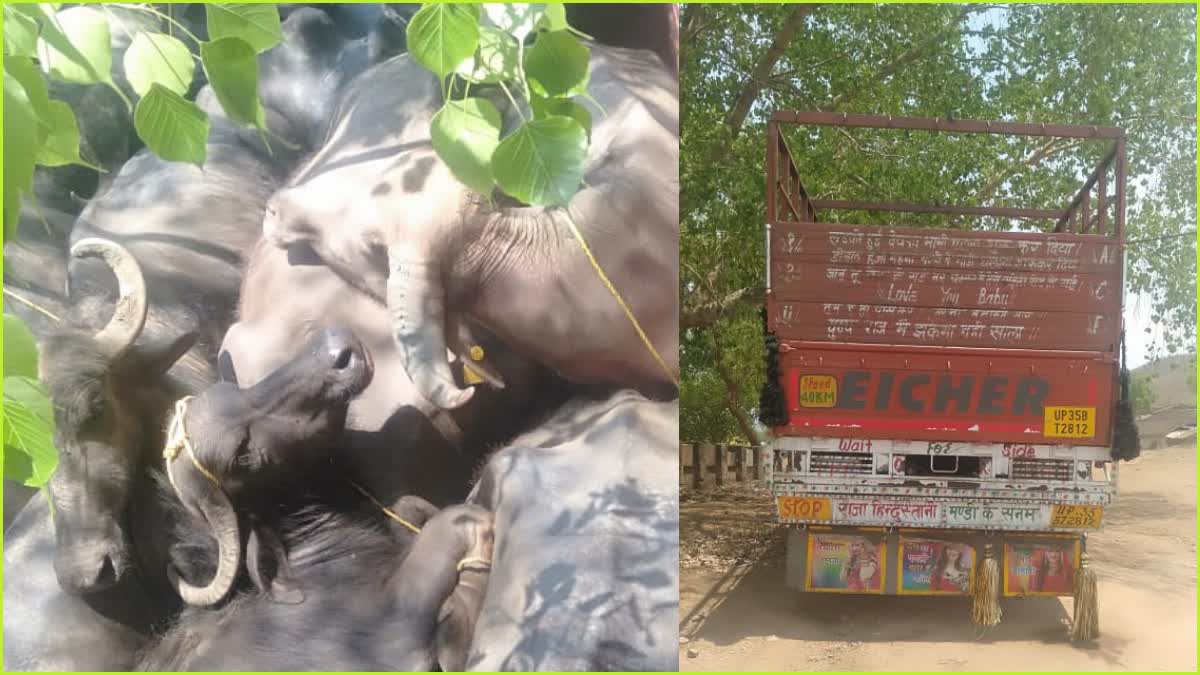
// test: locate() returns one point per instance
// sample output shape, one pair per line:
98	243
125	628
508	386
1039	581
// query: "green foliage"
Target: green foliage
28	420
76	46
256	24
172	127
442	36
20	148
557	65
1126	65
231	66
1141	390
465	134
156	58
541	163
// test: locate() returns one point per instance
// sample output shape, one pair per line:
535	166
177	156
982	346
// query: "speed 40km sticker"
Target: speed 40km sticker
1069	422
818	391
805	508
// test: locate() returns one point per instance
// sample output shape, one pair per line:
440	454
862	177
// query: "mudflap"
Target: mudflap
901	561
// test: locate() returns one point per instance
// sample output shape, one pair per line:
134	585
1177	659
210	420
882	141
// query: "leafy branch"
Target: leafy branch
526	48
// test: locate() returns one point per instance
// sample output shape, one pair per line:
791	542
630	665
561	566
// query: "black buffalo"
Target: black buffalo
586	573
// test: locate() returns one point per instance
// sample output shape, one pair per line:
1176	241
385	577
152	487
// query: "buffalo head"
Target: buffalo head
229	444
101	385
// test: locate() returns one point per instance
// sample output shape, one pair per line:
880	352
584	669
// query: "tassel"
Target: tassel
985	611
1086	622
772	406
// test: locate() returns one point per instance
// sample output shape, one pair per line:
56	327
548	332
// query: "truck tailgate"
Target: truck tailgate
974	395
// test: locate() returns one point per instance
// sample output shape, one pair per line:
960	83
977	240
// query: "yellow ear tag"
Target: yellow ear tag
469	375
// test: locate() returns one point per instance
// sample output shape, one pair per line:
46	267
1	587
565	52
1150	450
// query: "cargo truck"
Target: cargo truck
947	406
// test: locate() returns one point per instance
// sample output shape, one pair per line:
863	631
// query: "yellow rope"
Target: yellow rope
480	563
390	513
177	438
617	296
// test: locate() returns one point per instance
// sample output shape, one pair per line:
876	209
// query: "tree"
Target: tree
1131	66
1142	392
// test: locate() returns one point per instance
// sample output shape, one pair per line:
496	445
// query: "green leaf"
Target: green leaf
82	51
20	349
20	149
31	79
173	128
542	163
557	65
257	24
29	428
62	144
232	69
442	36
546	107
555	17
517	19
497	60
20	33
465	134
156	57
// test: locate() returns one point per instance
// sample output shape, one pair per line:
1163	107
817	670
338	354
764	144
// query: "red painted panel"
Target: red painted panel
942	395
964	289
950	288
944	327
926	248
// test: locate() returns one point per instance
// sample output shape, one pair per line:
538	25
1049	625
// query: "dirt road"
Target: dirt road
736	614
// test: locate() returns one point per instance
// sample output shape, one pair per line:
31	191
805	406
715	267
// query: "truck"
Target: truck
947	406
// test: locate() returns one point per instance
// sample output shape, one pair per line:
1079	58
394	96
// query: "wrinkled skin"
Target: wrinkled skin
586	567
368	606
396	443
188	231
378	207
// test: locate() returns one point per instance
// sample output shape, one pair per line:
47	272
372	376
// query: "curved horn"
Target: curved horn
416	300
218	511
129	316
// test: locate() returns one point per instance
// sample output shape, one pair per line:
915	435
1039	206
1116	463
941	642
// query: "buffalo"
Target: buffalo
334	584
173	236
378	206
395	441
586	568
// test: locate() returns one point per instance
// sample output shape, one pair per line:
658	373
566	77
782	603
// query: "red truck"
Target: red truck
947	406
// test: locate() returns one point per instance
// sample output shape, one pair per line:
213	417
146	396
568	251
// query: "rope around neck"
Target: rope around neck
388	512
177	439
617	296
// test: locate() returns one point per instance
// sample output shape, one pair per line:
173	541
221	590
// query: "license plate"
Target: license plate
804	508
1069	422
818	391
1076	516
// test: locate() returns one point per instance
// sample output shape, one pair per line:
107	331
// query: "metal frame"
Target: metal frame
788	200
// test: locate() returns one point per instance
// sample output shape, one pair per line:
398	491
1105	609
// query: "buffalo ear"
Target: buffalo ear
159	356
266	561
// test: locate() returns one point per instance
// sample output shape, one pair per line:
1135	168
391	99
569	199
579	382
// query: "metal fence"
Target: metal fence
704	465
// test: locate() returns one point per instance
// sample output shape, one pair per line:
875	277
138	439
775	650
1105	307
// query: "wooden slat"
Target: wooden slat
941	326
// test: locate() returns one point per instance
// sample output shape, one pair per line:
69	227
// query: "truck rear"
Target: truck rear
945	403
